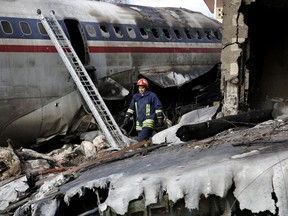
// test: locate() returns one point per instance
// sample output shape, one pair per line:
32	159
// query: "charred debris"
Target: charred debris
219	175
214	167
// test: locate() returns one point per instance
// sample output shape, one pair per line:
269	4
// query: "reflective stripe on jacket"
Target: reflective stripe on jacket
145	107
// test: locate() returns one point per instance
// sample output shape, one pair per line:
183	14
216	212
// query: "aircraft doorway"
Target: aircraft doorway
78	40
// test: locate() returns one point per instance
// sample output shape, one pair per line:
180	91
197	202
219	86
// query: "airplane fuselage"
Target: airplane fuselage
38	98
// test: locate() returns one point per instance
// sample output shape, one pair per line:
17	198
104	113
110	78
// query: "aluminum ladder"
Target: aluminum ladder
84	83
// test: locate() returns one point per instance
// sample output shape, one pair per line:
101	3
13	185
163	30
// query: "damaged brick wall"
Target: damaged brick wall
254	56
234	35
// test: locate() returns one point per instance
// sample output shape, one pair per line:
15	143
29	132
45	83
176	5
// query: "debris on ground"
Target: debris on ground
30	181
10	163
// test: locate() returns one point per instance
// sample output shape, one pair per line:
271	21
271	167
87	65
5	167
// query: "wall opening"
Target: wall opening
268	58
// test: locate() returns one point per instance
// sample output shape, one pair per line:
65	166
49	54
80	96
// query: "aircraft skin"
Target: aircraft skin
38	98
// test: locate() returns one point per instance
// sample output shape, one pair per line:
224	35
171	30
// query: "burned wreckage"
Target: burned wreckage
205	164
236	172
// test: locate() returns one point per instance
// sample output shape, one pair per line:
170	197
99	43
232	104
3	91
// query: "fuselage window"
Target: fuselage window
6	27
25	28
177	33
166	33
217	34
143	33
188	34
208	35
118	31
155	33
131	32
41	28
91	30
104	31
198	35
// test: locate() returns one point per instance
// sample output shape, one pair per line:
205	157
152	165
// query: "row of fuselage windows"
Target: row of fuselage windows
24	26
119	31
156	33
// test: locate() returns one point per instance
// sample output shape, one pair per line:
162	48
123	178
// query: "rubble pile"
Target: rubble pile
48	184
23	171
233	167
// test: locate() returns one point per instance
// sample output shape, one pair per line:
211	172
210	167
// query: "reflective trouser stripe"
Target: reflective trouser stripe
138	127
149	123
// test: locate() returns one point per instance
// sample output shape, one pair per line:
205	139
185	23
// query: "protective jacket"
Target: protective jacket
147	108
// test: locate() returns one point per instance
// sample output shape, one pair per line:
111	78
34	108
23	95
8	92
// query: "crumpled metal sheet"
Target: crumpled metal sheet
173	78
193	117
46	122
9	193
187	173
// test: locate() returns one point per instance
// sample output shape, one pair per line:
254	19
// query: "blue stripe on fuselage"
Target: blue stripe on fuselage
17	33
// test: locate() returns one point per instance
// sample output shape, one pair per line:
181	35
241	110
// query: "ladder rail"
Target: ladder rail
81	75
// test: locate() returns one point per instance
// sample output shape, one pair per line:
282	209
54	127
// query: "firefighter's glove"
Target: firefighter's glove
126	120
160	122
160	117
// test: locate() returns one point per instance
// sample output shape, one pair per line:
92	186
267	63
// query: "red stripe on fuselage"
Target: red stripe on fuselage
102	49
26	48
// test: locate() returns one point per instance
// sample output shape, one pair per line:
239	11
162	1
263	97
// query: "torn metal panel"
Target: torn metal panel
184	172
48	121
264	180
176	77
11	192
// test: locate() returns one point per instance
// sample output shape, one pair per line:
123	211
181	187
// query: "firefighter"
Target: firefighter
147	108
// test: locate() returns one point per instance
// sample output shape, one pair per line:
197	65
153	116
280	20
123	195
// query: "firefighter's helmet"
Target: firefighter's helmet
143	82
